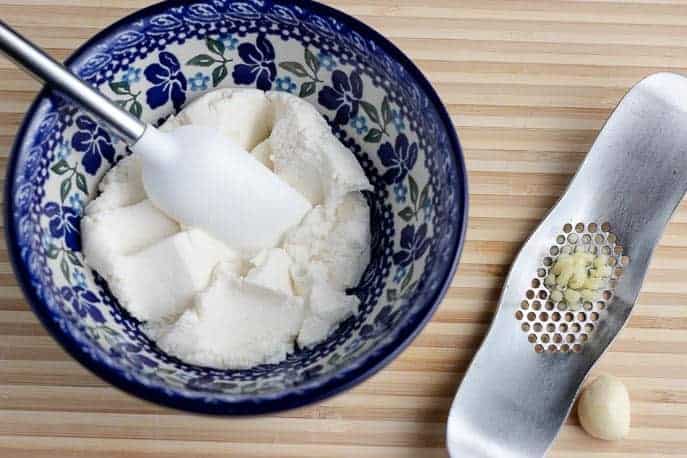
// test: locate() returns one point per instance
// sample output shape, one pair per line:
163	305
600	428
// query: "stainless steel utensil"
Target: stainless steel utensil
521	386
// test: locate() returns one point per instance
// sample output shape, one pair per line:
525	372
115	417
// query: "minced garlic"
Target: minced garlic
578	277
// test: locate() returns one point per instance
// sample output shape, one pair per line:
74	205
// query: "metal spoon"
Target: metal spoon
194	174
519	389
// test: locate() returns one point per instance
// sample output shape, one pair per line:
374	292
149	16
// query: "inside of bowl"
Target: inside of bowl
152	65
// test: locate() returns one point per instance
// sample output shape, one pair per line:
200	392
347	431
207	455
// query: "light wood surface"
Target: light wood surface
528	84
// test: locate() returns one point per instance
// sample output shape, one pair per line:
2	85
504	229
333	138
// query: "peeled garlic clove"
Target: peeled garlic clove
550	280
556	296
572	297
604	408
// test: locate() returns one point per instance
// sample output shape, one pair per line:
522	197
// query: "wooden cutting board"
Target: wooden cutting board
528	84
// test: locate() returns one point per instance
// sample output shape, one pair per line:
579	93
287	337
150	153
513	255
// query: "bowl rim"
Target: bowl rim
287	399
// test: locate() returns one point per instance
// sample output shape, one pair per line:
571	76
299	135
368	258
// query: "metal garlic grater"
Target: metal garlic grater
523	381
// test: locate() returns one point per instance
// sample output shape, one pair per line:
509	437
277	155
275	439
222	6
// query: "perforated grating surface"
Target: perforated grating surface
555	326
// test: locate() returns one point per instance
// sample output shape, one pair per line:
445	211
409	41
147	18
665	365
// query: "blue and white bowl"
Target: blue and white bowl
155	61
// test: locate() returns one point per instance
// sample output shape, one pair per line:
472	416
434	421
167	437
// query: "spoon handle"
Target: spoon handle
39	64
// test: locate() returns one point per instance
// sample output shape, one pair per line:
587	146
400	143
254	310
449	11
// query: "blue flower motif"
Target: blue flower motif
230	42
94	141
168	81
326	61
132	75
399	159
400	274
414	244
76	201
64	222
397	119
79	278
83	301
62	150
129	352
400	191
359	123
343	95
258	66
285	84
199	82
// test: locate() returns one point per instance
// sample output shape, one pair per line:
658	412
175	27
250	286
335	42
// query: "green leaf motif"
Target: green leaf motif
120	87
74	258
52	251
410	289
294	67
373	136
307	88
371	111
409	276
64	267
391	295
413	189
61	167
136	109
407	214
65	187
386	111
424	196
215	46
312	61
201	60
218	74
81	182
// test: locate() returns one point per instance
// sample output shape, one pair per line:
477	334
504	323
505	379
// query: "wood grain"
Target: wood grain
528	84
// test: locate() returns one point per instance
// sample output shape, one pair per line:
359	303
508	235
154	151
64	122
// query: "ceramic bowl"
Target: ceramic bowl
154	62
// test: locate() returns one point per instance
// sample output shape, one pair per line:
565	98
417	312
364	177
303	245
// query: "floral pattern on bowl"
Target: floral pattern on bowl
152	64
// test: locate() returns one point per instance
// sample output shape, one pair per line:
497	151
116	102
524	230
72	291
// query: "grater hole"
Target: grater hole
577	348
586	239
611	238
552	348
530	294
532	338
601	305
543	294
531	316
554	250
572	238
579	228
537	327
569	317
541	273
536	283
592	227
518	315
607	295
581	316
555	316
567	228
575	327
525	327
618	250
594	316
545	338
583	338
587	306
547	261
550	327
619	272
539	348
612	261
557	338
543	316
524	305
570	338
562	306
606	227
549	305
536	305
599	238
606	250
565	348
560	239
625	260
563	327
588	328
